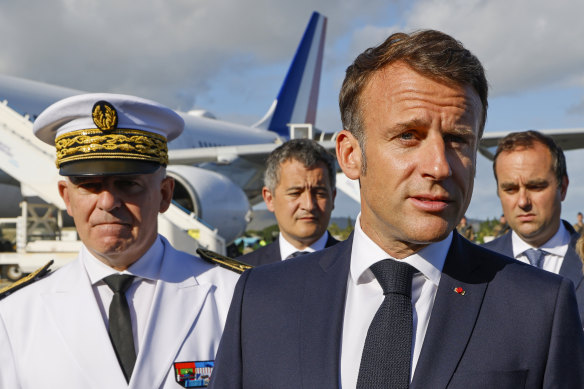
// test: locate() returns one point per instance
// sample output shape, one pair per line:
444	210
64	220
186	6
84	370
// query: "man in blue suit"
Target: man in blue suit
413	109
300	190
532	181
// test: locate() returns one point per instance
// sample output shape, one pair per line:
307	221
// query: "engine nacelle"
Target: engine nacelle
213	198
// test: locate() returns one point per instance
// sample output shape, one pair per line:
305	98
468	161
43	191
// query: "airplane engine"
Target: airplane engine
213	198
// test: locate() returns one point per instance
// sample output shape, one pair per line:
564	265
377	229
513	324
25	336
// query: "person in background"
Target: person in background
299	188
130	311
532	181
502	228
579	226
465	229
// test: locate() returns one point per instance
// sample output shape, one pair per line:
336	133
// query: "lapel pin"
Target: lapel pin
460	291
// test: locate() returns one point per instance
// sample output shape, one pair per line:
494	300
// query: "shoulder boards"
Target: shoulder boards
223	261
29	279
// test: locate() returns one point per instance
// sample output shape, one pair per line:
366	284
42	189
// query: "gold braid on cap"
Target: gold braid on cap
116	144
109	142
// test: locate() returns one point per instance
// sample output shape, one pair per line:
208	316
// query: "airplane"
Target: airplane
217	165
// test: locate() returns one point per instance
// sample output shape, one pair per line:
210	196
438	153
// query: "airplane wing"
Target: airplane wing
567	139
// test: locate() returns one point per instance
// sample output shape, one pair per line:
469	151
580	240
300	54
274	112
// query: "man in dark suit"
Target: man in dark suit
460	316
300	190
532	181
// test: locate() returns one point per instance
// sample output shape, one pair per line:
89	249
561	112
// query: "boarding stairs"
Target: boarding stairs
31	162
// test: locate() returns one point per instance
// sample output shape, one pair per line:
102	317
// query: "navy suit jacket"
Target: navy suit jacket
515	327
271	253
571	267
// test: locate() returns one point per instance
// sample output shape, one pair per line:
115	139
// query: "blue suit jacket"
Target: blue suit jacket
271	253
571	267
516	326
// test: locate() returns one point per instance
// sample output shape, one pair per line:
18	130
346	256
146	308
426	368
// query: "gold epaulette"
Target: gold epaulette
223	261
29	279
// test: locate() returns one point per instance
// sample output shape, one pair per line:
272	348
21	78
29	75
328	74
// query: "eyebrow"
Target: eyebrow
533	182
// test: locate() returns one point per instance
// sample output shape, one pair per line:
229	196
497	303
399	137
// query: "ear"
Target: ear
564	187
166	191
64	193
268	198
334	196
349	154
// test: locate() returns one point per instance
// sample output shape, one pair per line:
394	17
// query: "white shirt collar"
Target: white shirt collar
286	248
147	267
429	260
557	245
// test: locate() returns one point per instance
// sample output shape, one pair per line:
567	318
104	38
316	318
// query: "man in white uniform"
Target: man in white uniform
131	311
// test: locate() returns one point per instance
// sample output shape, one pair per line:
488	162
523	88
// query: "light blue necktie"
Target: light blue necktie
535	256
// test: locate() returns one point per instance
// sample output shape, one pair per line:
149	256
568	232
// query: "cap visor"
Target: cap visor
108	167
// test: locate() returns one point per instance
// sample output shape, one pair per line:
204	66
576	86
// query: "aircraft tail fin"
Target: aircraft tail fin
298	96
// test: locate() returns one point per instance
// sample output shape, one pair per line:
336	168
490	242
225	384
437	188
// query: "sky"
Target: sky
230	58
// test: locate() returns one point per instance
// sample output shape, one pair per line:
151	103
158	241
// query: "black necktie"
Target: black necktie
120	323
386	359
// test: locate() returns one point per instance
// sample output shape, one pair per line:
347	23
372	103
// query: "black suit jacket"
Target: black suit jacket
571	266
271	253
515	327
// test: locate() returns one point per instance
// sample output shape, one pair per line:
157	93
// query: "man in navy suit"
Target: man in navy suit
532	181
300	191
413	109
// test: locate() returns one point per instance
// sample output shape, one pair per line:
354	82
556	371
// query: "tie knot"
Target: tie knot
394	276
119	283
296	254
534	256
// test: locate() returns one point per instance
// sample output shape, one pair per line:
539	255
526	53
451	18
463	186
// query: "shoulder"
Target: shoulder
501	244
52	280
269	253
510	274
28	280
296	270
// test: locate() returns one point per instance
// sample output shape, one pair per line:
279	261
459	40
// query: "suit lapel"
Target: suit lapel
322	316
73	308
572	265
166	329
453	316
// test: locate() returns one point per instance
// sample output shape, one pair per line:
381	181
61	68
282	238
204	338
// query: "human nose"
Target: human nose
433	159
108	200
524	202
307	200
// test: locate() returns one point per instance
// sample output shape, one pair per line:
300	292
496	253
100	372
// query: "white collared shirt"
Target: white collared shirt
555	249
364	296
286	248
139	295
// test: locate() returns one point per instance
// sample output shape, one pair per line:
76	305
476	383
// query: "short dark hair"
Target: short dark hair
526	139
305	151
431	53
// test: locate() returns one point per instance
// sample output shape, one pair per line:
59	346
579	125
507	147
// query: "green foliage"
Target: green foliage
486	228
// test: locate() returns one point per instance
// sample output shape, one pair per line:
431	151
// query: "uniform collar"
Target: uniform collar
148	266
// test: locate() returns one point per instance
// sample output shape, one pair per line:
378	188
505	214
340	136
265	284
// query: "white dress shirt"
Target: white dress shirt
555	249
286	248
364	296
139	295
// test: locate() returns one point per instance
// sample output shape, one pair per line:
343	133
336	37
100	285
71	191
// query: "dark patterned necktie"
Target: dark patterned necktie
120	323
386	359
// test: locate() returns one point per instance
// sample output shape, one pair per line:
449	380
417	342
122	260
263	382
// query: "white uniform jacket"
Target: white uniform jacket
52	334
